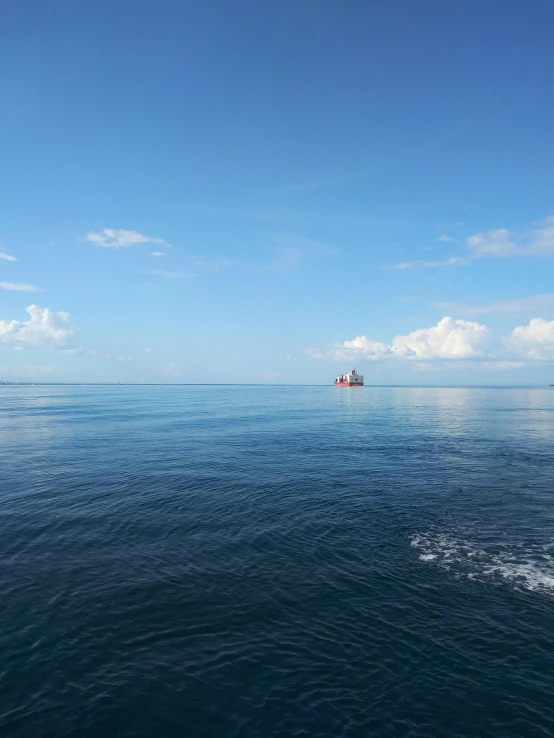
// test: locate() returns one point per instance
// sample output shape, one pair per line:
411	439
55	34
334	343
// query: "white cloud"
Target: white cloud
454	342
449	339
453	261
158	253
43	328
118	238
496	243
446	239
6	257
534	342
502	242
492	243
535	304
19	287
125	358
148	351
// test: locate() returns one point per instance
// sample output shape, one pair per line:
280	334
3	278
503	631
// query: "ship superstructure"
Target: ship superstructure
351	379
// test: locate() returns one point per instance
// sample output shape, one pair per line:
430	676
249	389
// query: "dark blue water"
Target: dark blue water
276	561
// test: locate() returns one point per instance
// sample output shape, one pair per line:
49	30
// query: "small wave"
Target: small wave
523	566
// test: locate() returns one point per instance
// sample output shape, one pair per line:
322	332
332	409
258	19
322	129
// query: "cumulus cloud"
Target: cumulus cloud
118	238
449	339
43	328
19	287
455	342
6	257
534	342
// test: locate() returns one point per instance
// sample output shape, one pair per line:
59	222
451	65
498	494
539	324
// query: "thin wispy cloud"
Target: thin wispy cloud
420	264
19	287
536	304
158	253
446	239
292	252
92	353
28	369
7	257
168	274
119	238
499	243
503	243
171	371
214	265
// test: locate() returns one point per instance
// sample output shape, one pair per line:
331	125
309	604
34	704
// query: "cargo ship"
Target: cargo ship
352	379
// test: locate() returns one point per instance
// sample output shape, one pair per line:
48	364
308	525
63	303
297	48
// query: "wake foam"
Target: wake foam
523	566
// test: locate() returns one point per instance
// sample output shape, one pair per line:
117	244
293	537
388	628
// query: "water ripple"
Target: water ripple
276	562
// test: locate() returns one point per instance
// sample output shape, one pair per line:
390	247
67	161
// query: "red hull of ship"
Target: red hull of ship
348	384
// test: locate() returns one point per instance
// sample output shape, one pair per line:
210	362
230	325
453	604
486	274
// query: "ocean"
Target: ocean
276	561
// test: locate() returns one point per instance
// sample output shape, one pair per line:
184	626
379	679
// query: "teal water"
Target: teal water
276	561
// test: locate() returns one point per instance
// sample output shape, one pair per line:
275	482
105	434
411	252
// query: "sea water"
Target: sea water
276	561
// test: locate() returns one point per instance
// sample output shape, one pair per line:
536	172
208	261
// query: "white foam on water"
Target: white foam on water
522	566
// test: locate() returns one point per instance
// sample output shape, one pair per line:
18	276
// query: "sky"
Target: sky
277	192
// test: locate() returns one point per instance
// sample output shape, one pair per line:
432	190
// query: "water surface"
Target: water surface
276	561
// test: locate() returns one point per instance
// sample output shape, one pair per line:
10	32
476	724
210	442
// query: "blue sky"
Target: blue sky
241	191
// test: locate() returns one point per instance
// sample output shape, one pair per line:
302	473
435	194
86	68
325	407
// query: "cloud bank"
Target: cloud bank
452	340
